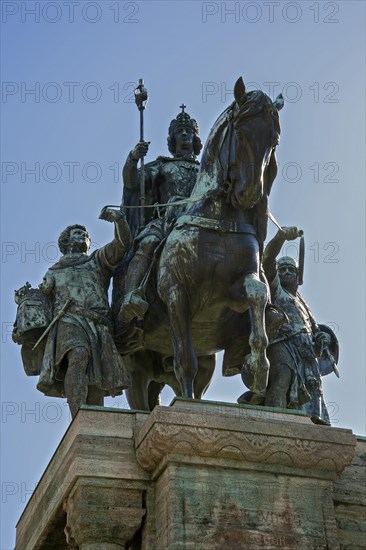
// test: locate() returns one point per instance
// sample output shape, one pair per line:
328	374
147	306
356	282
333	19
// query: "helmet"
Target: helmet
287	261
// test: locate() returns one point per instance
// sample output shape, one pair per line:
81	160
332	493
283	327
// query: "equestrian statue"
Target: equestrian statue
204	291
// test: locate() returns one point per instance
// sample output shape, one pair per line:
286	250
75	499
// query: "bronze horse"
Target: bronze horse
208	274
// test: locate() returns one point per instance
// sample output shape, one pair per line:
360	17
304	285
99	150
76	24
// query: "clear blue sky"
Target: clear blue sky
76	127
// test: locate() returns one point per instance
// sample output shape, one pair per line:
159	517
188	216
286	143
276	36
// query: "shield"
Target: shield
32	359
34	314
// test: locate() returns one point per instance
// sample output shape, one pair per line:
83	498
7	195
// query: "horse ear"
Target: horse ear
279	102
239	91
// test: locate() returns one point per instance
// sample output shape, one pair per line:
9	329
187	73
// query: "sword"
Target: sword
325	351
141	99
60	313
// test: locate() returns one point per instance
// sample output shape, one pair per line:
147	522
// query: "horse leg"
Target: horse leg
257	296
154	391
95	396
137	395
169	379
206	368
185	359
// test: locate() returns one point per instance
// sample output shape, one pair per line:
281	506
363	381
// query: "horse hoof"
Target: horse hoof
318	420
250	398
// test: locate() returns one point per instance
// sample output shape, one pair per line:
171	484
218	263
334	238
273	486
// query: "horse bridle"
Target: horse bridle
227	183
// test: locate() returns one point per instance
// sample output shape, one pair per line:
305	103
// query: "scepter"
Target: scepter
141	98
301	257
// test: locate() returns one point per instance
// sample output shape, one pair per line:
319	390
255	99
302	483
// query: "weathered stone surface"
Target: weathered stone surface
350	501
99	446
196	508
246	436
197	475
103	513
242	478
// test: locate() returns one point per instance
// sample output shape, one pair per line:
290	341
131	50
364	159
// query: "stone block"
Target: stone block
197	475
241	477
350	501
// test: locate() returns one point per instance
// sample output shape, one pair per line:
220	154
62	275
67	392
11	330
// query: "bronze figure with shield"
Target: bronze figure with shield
302	351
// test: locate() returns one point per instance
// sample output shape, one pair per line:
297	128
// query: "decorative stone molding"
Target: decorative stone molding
196	475
241	477
240	435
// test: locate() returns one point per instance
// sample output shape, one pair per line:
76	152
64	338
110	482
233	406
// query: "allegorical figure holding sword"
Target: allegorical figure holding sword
303	351
76	356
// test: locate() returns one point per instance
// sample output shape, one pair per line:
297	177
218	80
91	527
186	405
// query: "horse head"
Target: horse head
248	152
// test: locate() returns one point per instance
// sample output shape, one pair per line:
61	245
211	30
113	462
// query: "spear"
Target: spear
141	98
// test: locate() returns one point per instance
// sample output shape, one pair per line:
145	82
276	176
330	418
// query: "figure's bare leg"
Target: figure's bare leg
185	359
280	375
278	386
76	384
257	296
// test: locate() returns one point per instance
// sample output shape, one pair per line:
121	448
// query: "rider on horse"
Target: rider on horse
166	179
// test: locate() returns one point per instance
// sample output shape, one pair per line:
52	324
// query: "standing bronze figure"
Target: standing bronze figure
303	351
75	356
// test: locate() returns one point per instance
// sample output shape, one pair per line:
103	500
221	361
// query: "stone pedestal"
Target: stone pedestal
195	475
93	493
235	477
350	501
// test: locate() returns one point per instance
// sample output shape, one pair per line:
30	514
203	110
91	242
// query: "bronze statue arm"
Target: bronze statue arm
130	172
115	250
273	248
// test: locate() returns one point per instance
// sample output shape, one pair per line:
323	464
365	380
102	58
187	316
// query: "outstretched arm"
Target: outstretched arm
115	250
273	249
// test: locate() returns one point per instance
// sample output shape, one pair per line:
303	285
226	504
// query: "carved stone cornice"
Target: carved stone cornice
197	433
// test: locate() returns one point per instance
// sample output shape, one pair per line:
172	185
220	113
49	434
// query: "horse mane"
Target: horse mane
253	103
260	211
250	105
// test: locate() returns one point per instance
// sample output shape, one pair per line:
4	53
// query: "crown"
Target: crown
183	120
